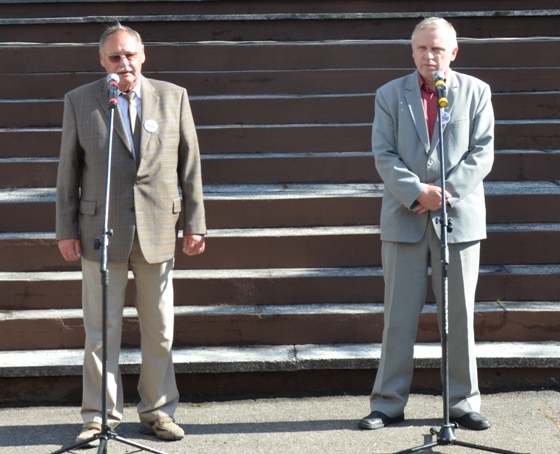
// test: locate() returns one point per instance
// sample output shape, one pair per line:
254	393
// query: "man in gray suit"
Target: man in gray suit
152	157
405	142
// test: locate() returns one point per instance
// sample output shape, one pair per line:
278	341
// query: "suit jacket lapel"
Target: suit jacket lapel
414	100
150	105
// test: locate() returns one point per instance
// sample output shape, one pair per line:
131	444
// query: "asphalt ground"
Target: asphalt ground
523	422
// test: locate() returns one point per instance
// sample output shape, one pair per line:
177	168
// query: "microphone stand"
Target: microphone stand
102	243
446	434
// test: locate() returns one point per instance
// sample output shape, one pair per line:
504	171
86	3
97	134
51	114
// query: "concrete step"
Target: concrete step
54	376
62	290
284	23
524	134
281	109
276	82
297	205
288	358
42	290
302	247
493	53
20	8
289	168
280	325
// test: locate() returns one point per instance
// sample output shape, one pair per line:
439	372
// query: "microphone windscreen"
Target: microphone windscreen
113	77
438	75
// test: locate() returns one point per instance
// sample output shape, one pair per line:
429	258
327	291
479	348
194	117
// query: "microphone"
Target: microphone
441	90
113	85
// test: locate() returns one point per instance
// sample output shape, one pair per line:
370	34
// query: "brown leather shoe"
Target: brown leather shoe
164	428
89	430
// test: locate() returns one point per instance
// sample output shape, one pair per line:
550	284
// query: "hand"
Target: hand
430	199
71	249
193	244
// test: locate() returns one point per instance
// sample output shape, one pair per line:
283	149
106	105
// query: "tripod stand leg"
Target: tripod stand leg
484	448
137	445
446	437
104	441
418	448
102	449
80	445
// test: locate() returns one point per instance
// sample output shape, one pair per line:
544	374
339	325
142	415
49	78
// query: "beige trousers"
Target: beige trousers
154	302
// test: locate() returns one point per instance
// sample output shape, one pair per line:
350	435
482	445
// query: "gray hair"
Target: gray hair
436	23
118	27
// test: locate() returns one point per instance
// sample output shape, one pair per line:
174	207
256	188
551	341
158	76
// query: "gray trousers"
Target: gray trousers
405	269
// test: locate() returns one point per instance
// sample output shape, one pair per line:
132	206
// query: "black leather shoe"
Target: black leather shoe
472	421
377	420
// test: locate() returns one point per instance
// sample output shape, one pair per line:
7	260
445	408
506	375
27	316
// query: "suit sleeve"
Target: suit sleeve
190	175
68	176
404	184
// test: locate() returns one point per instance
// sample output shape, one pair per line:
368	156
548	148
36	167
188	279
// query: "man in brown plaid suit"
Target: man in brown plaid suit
145	203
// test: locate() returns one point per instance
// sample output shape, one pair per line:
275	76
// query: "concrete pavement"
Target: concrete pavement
523	422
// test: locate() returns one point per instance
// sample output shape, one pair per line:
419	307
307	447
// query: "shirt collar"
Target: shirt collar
137	89
424	86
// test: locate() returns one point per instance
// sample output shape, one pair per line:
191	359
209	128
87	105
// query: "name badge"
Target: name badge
151	125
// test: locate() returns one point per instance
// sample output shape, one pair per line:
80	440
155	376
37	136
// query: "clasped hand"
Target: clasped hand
430	199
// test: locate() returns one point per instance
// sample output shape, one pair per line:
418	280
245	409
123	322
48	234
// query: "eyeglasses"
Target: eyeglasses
131	56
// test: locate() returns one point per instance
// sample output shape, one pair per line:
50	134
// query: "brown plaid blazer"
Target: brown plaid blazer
147	199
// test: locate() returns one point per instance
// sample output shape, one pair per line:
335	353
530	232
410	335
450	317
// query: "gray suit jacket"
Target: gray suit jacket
407	161
147	200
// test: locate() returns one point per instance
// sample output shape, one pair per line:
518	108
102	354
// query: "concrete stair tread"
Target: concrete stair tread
299	138
231	324
287	309
275	273
307	231
279	81
251	55
284	168
283	191
291	358
245	109
451	12
273	286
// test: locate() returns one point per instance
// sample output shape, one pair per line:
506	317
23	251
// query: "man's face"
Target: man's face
122	54
433	50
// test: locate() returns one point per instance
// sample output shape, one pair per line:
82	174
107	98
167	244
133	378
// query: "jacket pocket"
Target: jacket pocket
87	207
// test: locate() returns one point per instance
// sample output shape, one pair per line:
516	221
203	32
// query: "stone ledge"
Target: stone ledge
282	309
282	358
276	16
